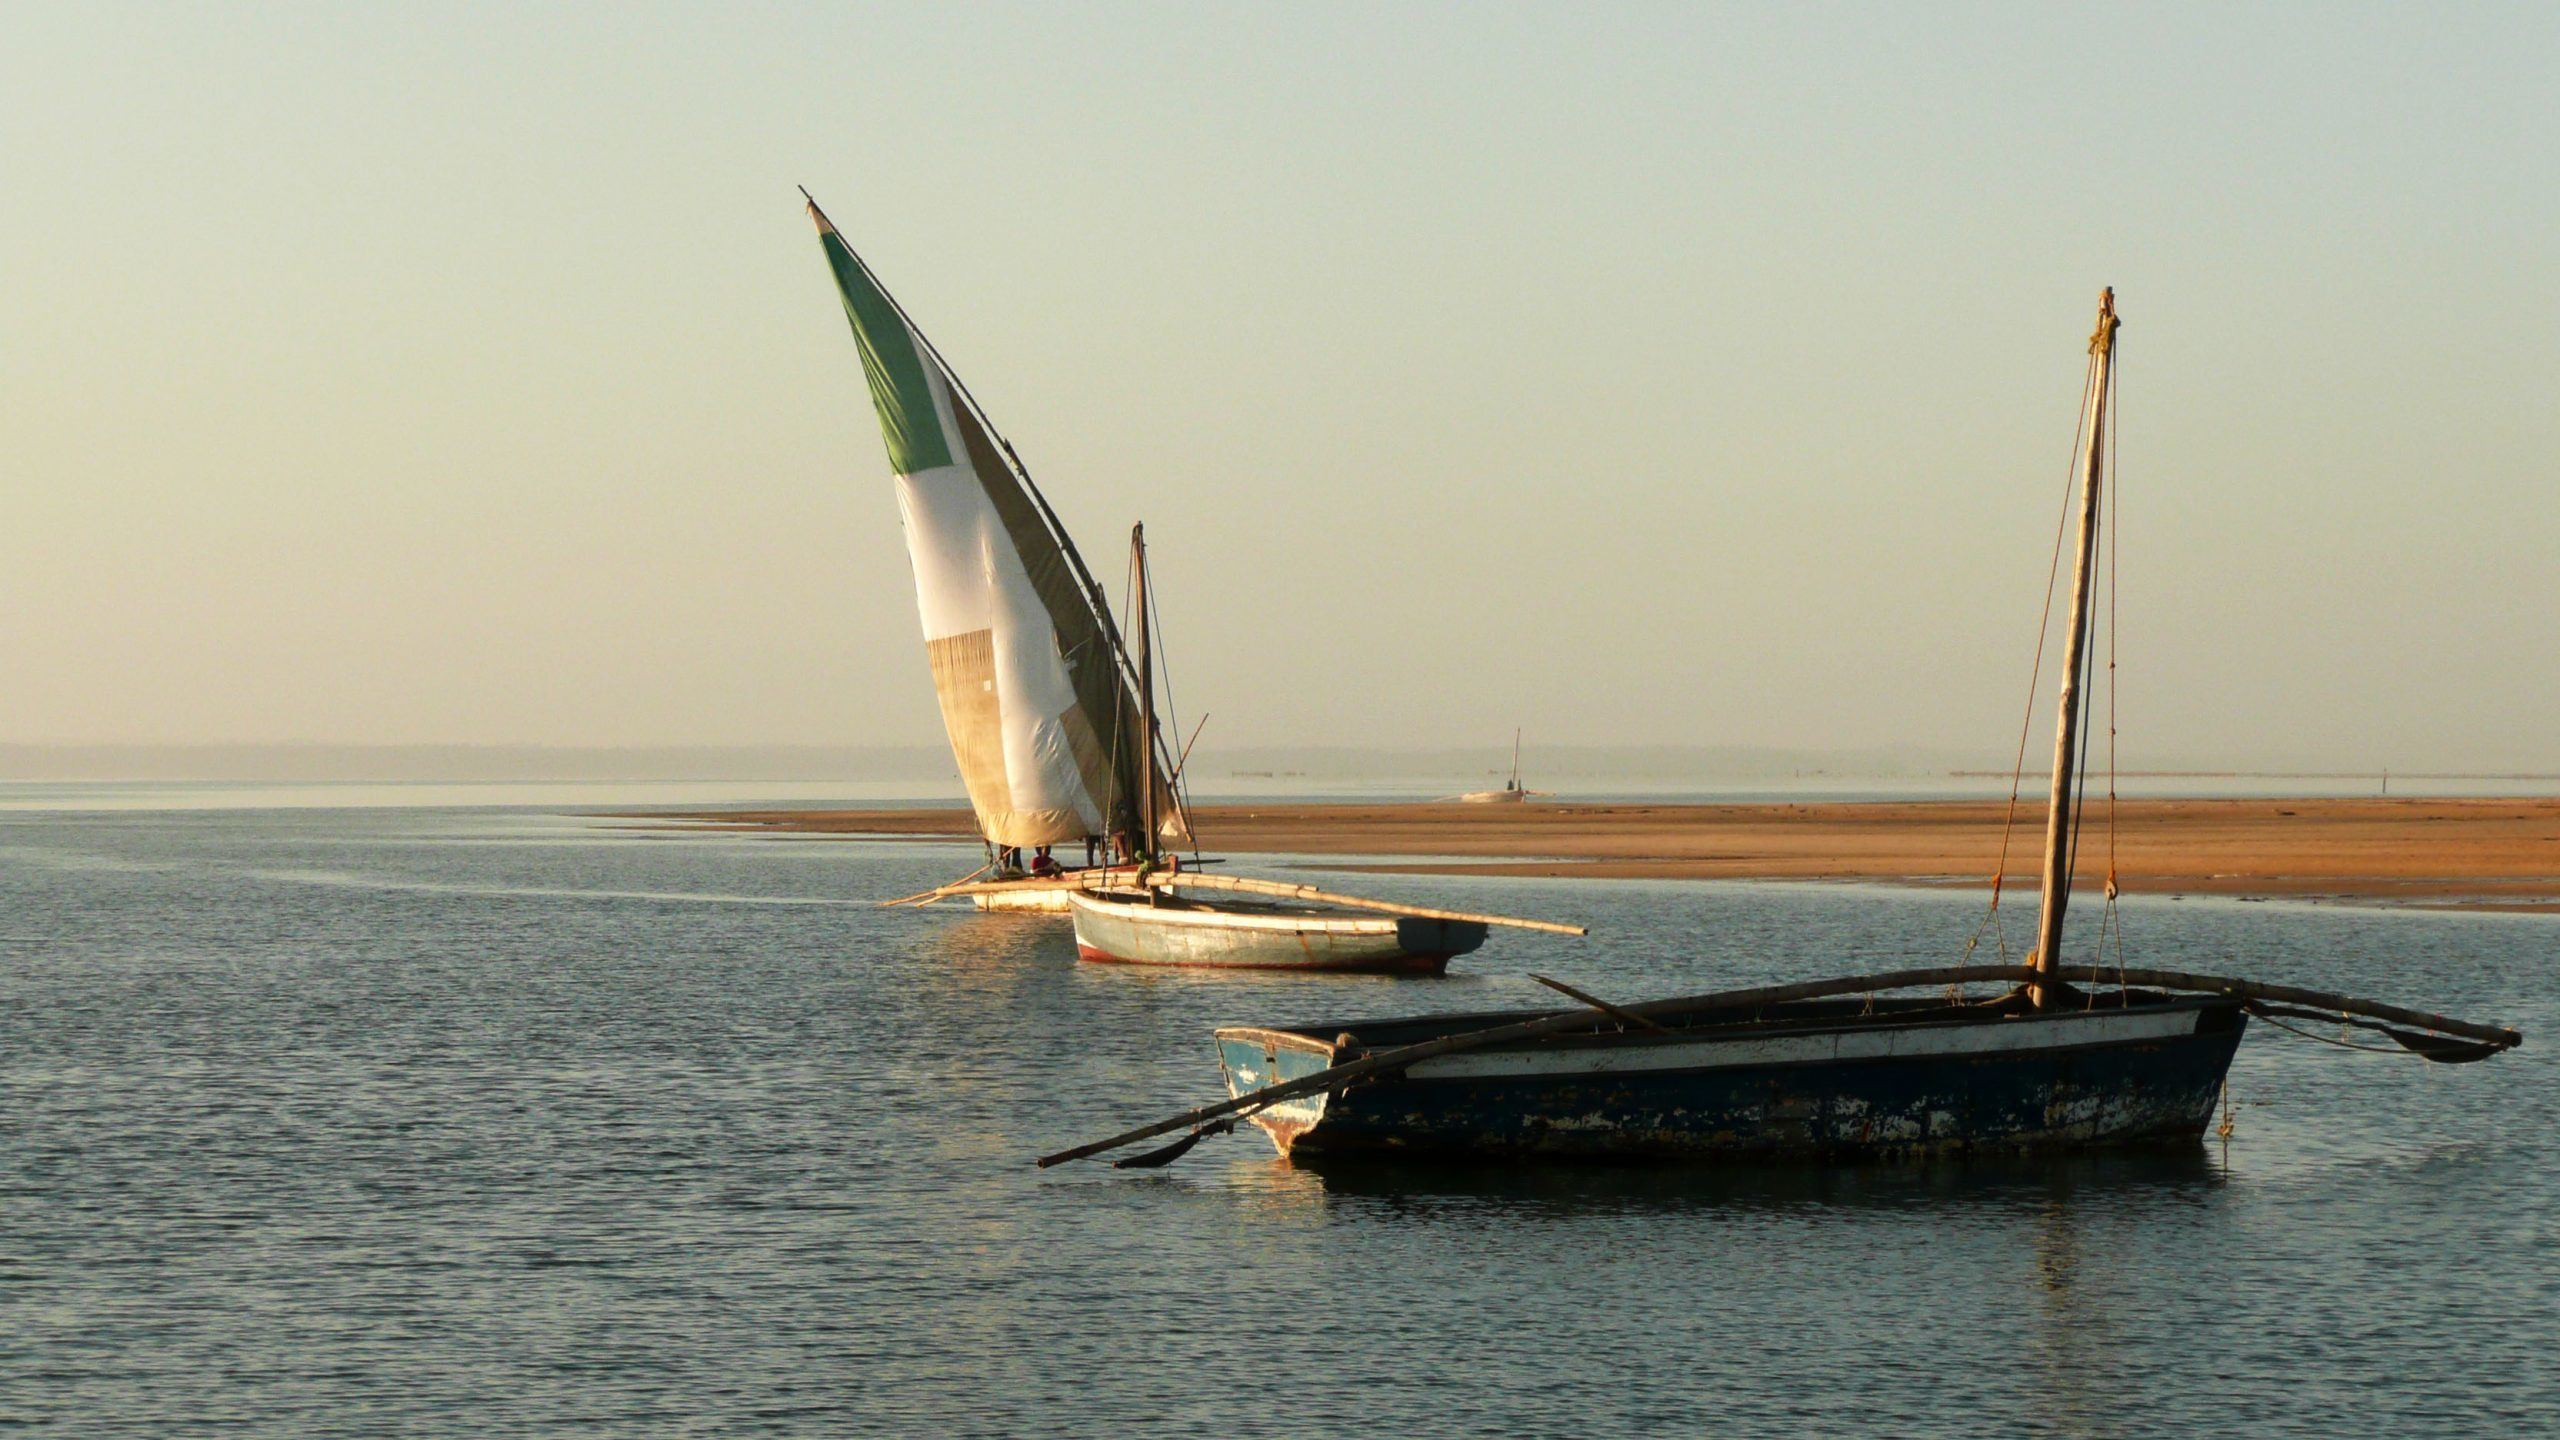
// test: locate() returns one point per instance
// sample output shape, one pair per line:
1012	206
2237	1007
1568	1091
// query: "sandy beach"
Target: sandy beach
2470	853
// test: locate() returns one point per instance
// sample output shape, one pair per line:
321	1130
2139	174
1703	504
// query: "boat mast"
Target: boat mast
2056	894
1515	757
1145	850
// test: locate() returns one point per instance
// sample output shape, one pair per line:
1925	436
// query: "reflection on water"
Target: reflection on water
985	940
471	1123
2178	1175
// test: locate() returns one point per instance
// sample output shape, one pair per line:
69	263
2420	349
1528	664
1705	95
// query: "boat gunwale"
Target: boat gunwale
1305	1039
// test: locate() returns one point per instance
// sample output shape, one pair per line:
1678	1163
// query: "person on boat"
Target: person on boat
1092	847
1044	865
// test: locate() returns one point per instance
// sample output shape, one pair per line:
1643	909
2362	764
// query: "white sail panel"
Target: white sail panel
1026	779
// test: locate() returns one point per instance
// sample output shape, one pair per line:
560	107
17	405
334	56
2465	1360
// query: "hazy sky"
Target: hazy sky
1633	374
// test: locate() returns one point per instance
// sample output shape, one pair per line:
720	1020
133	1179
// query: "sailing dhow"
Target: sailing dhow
1036	690
1052	716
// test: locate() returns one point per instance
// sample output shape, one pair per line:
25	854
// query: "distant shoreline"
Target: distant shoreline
2472	854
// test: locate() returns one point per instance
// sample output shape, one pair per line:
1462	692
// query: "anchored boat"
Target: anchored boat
1156	928
1807	1079
2058	1057
1146	923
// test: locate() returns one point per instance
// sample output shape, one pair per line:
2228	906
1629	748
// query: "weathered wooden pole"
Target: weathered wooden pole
1146	843
2057	823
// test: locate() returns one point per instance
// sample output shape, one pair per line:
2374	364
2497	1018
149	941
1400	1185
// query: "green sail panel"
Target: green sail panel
891	362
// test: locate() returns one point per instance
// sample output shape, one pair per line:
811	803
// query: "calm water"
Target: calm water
489	1122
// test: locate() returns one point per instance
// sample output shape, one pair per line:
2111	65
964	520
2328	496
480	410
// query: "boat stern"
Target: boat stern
1436	942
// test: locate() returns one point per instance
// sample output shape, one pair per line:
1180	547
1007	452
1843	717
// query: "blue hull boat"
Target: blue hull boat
1803	1071
1829	1080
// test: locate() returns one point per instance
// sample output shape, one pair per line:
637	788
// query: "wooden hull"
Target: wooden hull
1823	1082
1121	927
1035	896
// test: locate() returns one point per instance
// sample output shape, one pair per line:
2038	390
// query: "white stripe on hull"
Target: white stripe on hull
2024	1035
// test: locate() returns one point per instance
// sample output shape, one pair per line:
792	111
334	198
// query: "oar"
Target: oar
1181	879
1162	1156
1336	1076
937	892
1595	1002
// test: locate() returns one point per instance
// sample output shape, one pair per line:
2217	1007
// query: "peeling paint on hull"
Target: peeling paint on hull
1868	1089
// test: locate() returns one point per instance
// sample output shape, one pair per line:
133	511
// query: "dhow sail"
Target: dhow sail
1025	660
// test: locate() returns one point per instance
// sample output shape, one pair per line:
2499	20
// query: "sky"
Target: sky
1631	374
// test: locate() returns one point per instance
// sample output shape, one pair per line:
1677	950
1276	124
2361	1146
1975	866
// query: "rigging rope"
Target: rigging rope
1174	778
2111	919
2263	1013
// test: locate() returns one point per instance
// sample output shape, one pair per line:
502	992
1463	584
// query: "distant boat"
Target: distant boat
2069	1057
1036	688
1510	794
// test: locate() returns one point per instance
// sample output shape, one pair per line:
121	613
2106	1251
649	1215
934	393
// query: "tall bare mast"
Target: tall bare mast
2057	823
1146	838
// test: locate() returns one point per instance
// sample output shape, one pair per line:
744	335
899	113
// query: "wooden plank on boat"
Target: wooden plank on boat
1098	878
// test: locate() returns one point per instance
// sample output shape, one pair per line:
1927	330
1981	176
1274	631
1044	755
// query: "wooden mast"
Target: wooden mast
1145	847
2057	824
1515	757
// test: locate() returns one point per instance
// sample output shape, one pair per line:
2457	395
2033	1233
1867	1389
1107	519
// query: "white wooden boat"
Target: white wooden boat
1153	927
